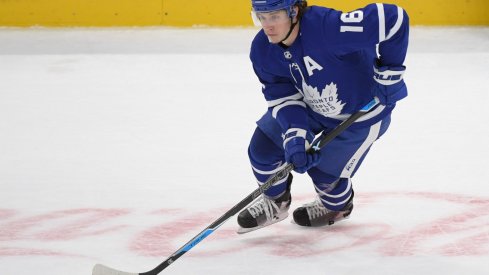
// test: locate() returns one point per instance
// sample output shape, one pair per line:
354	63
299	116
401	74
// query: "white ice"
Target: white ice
117	146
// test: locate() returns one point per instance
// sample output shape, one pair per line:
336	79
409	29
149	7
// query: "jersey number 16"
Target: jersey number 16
351	17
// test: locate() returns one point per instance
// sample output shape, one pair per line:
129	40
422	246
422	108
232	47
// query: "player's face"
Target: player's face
276	24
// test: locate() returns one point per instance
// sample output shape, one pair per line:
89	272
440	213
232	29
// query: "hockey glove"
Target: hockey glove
389	86
296	142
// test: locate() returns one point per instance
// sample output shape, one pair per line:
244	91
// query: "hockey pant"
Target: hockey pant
340	159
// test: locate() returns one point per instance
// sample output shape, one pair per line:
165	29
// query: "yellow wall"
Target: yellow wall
429	12
80	12
210	12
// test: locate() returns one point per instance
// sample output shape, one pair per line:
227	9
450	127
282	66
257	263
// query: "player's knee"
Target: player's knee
262	150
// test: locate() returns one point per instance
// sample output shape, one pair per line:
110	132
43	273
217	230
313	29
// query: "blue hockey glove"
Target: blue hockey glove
389	86
296	142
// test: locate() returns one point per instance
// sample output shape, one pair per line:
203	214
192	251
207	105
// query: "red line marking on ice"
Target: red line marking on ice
16	251
7	213
466	221
60	225
317	241
168	211
463	231
163	239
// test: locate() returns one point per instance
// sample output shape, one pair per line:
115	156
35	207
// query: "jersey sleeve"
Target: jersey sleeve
283	99
393	34
379	24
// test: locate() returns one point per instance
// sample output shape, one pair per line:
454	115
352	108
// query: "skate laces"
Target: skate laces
264	205
316	209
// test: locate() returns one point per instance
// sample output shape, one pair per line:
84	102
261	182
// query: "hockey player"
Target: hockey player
317	66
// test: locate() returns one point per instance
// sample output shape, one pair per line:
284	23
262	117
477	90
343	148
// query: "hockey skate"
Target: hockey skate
315	214
265	211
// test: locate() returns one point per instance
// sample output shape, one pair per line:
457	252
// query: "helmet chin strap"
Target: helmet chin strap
292	26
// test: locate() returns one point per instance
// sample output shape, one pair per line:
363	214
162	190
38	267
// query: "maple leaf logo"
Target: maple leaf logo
325	103
309	91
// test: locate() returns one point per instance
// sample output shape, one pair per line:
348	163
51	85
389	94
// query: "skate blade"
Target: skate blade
242	230
326	224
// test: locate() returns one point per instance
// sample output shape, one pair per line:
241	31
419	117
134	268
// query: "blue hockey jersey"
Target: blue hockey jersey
327	72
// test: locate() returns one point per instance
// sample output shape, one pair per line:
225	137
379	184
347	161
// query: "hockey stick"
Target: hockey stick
99	269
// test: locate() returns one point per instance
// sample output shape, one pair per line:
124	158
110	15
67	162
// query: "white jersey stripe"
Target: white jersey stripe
275	102
353	162
367	116
336	204
397	26
275	184
287	103
380	10
322	193
274	171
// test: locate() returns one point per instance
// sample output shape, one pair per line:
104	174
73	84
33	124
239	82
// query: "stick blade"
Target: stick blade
99	269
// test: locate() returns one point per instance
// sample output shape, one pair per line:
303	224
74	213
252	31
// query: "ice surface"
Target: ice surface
117	146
